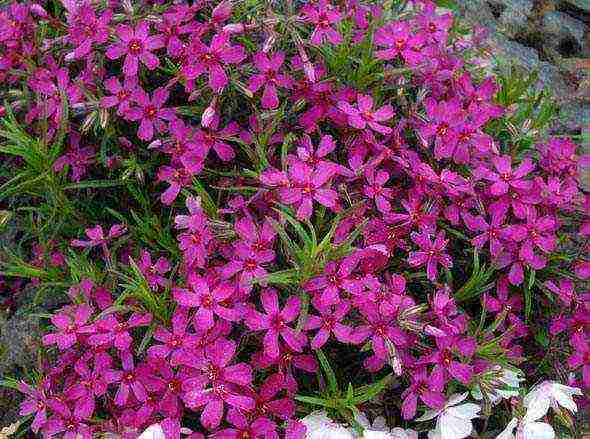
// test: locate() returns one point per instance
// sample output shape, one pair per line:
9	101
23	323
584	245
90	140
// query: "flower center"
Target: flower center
135	47
442	129
129	376
250	264
307	189
400	42
432	27
151	111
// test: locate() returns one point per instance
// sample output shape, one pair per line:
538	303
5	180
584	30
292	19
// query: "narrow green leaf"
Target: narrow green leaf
328	371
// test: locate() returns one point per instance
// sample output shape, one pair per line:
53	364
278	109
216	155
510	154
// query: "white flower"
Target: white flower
527	430
549	394
153	432
319	426
453	420
504	382
379	429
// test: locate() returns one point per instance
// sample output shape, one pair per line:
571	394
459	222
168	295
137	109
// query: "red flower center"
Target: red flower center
135	47
151	111
442	129
250	264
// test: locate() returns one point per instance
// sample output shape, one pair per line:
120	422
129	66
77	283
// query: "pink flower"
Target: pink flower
274	322
365	116
195	241
329	322
150	112
218	383
36	401
431	253
96	235
399	40
323	15
71	327
111	330
154	272
209	297
177	344
375	189
130	380
269	78
121	94
426	387
212	60
307	184
505	177
136	44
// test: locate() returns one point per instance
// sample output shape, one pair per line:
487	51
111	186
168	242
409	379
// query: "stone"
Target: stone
514	16
569	32
508	51
584	5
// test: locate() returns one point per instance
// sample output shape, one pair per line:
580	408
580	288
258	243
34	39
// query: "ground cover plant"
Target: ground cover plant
284	219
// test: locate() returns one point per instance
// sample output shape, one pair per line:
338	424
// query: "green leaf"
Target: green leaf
328	371
94	184
367	393
314	401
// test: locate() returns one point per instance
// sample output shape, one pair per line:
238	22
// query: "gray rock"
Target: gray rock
514	18
478	12
19	337
508	51
565	27
582	4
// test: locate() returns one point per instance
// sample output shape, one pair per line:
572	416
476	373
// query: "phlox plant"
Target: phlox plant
237	213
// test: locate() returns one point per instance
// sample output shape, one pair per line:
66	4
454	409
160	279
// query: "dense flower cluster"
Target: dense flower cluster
339	176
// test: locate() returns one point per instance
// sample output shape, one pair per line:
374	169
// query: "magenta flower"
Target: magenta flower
323	15
505	177
399	40
375	189
364	115
150	112
111	330
209	298
266	399
329	322
337	278
307	185
86	29
77	158
154	272
269	78
72	423
429	388
216	139
177	344
247	262
130	380
121	94
316	158
431	253
96	235
218	383
274	322
136	44
212	60
383	331
581	357
262	427
492	232
36	401
445	358
564	290
71	327
177	178
195	241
